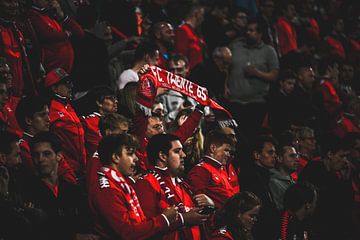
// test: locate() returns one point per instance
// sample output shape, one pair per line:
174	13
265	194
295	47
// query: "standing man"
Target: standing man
254	66
210	176
64	122
163	187
164	37
116	210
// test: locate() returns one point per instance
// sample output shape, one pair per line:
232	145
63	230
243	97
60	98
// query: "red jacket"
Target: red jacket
57	48
9	116
114	217
66	125
336	47
189	44
221	234
93	165
13	48
90	124
287	36
153	201
210	177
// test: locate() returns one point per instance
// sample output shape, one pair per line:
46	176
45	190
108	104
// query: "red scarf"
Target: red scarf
119	182
158	77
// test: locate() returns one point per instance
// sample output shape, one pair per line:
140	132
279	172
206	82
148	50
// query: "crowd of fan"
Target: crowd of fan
90	148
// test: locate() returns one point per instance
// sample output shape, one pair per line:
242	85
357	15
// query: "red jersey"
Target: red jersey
210	177
93	165
66	125
9	116
287	36
189	44
92	135
158	191
57	48
116	211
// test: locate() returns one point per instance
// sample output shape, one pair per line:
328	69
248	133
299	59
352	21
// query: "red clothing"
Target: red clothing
13	48
336	47
330	98
287	36
189	44
57	48
9	116
210	177
116	215
233	177
66	125
90	124
153	200
303	161
221	234
344	126
93	165
314	29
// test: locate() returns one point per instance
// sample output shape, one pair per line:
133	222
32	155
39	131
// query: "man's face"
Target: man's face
9	8
224	61
109	104
166	34
175	159
289	160
287	86
4	97
6	73
339	26
268	8
126	161
307	77
290	12
241	20
267	157
337	160
45	159
221	153
231	133
13	159
40	120
308	142
252	34
179	68
155	126
347	73
63	89
158	108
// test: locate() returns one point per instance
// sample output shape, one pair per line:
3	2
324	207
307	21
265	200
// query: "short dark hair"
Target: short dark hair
46	137
111	121
259	26
99	93
27	107
299	194
145	47
333	144
216	137
6	139
113	144
259	142
286	74
159	143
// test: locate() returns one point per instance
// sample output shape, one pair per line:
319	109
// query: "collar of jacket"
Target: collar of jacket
61	99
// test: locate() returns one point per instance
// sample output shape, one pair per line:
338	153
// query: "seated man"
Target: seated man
210	176
163	187
115	207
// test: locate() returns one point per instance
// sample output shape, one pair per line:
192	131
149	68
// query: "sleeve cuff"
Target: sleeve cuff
182	219
65	18
166	219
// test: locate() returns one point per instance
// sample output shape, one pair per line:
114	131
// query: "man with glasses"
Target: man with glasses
280	179
64	122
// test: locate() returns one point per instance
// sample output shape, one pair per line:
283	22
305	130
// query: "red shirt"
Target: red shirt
90	124
153	200
210	177
113	215
287	36
66	125
189	44
57	48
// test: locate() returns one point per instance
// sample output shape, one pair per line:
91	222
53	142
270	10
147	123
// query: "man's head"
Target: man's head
9	150
335	153
264	152
59	82
179	65
118	151
301	199
239	18
288	10
147	52
220	9
163	33
166	150
218	145
32	114
155	126
5	72
45	150
9	8
105	99
267	8
338	25
253	32
4	95
158	108
288	159
196	14
347	73
307	140
113	123
306	77
287	80
222	57
230	132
